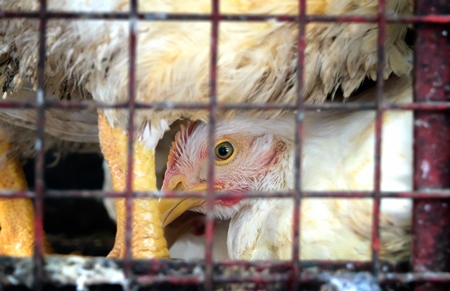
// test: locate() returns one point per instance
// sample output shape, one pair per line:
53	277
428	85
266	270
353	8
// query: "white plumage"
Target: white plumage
338	155
88	60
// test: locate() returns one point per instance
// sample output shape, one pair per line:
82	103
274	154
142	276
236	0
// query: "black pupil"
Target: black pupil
223	151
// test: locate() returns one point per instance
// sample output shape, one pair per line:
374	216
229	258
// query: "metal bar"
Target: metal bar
212	110
431	218
131	112
423	195
378	137
39	185
162	16
435	106
301	45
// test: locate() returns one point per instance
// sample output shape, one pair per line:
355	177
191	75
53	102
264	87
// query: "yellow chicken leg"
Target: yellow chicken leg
16	215
147	234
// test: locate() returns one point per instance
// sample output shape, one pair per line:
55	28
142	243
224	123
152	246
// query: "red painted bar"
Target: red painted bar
431	219
298	194
378	137
427	195
212	111
131	111
39	188
442	106
228	17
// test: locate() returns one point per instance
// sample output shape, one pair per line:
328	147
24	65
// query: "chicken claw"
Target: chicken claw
147	233
16	215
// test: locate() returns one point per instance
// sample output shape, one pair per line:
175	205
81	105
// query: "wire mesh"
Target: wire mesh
429	270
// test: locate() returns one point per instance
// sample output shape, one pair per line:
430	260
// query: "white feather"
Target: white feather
338	155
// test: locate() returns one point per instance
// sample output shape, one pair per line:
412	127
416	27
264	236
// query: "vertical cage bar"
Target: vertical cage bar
378	136
209	229
301	45
39	186
431	218
131	112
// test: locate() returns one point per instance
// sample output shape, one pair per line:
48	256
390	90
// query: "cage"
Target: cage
428	267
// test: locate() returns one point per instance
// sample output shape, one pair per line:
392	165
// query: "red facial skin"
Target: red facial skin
227	201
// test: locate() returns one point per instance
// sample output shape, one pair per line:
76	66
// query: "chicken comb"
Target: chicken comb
180	138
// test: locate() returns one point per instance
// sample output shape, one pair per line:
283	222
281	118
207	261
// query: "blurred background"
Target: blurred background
74	225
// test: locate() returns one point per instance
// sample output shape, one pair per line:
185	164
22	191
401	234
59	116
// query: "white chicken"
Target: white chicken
338	154
256	63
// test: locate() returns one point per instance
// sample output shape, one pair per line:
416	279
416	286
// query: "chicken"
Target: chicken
87	60
338	150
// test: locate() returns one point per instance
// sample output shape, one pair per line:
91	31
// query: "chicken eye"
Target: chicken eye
224	150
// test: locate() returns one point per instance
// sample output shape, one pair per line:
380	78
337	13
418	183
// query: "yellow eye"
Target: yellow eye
224	150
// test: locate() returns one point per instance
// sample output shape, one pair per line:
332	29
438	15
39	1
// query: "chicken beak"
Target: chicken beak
172	208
